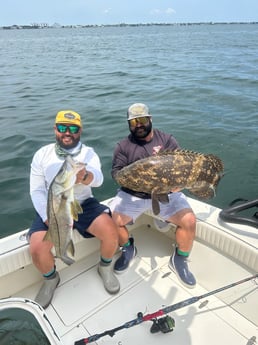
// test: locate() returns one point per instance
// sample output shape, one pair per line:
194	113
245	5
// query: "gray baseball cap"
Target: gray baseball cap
137	110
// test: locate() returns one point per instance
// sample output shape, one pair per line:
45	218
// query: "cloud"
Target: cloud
107	10
155	11
170	11
158	11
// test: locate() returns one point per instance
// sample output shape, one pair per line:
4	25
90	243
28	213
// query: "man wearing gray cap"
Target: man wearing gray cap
144	141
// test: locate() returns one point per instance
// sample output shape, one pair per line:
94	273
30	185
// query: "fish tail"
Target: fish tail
206	192
67	260
69	249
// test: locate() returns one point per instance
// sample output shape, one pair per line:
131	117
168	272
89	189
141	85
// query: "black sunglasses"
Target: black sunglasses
73	129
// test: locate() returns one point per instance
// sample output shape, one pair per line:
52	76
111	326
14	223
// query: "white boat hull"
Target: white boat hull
222	254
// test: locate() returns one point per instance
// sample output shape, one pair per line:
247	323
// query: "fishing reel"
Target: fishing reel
164	324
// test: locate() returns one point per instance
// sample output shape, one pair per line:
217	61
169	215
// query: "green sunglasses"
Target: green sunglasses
63	128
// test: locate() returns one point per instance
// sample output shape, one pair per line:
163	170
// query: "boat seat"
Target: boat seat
15	252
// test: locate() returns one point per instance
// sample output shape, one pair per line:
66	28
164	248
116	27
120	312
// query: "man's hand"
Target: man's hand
82	176
176	189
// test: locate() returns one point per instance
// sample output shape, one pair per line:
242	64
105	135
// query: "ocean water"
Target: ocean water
200	82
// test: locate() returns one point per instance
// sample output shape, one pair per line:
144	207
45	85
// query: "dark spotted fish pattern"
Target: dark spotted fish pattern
159	174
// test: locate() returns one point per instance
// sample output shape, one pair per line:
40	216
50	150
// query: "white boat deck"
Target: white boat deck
81	307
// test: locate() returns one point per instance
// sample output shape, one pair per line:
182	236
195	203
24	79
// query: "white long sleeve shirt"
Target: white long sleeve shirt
45	166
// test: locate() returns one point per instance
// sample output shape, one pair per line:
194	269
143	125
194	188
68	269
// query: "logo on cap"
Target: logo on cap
69	116
137	110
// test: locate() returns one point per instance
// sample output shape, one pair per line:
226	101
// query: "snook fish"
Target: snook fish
62	209
161	173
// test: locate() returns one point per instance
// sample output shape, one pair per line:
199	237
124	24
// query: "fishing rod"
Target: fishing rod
164	324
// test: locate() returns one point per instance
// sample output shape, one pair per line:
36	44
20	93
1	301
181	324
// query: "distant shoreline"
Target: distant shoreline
58	26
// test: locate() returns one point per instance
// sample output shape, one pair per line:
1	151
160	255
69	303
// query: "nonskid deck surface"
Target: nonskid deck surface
81	307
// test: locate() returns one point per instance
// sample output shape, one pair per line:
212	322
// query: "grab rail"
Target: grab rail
229	214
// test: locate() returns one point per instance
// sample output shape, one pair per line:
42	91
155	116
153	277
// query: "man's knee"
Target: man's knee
121	220
184	219
37	243
190	221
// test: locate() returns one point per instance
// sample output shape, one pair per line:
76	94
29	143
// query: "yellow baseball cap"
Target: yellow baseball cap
68	116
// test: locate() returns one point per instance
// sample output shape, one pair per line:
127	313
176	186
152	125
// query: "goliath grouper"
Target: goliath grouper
159	174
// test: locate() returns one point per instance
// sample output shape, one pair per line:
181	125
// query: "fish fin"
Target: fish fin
155	203
163	198
47	237
177	151
76	209
216	162
70	249
206	192
166	152
67	260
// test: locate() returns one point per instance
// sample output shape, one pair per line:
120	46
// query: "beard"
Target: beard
73	142
141	132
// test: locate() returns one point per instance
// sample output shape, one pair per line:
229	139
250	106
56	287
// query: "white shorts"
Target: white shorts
133	206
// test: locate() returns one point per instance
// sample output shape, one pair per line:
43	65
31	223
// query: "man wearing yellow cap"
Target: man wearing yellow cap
94	221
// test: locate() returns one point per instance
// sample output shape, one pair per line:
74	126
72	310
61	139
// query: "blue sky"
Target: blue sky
67	12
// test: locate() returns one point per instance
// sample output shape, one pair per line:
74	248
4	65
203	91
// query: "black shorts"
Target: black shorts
92	208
